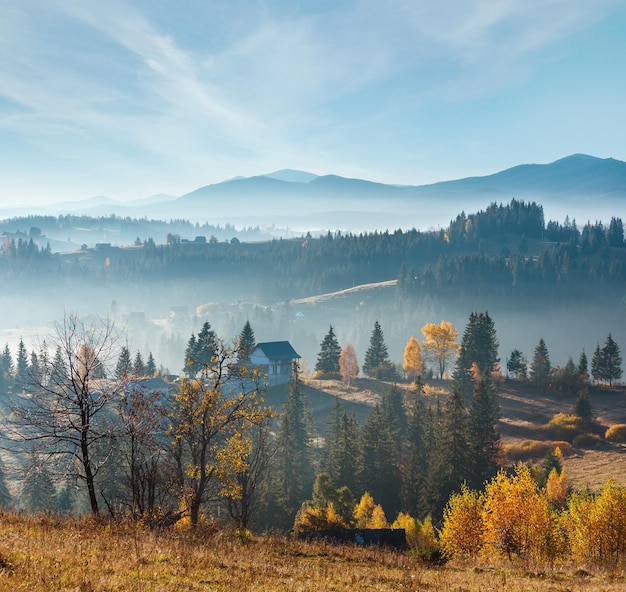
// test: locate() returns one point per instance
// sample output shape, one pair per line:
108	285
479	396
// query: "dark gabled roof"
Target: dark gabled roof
278	350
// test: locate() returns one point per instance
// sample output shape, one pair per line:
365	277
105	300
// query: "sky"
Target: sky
133	98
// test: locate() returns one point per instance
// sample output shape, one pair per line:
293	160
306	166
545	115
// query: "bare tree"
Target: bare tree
67	411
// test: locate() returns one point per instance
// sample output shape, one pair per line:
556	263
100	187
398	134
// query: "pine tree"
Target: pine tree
583	408
342	447
583	366
151	368
6	367
124	365
479	351
6	501
293	467
516	365
449	462
21	372
611	361
328	358
415	458
377	363
138	365
484	440
597	363
247	343
540	367
38	492
379	462
200	350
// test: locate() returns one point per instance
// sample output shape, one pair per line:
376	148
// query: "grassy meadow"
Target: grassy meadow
45	554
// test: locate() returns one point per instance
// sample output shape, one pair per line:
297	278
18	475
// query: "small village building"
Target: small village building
275	358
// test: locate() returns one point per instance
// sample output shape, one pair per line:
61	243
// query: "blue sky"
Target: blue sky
131	98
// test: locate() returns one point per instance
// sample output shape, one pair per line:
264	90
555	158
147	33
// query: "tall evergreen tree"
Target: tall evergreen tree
607	362
200	350
379	462
328	358
6	367
124	366
21	371
449	462
484	440
38	492
540	367
377	363
582	369
247	343
342	448
414	461
6	500
516	365
293	468
479	351
583	408
151	368
139	368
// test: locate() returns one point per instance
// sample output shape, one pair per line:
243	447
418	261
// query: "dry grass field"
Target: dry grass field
43	554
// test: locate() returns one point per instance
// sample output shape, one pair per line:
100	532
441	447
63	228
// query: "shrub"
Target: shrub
563	426
616	433
588	441
535	449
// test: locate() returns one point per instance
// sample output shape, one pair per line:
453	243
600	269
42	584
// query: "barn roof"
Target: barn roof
278	350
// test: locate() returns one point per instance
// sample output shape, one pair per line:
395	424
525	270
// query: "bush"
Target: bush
588	441
616	433
535	449
563	426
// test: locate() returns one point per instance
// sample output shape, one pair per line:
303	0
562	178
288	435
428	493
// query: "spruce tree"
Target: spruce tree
6	500
124	365
377	363
415	458
582	369
21	372
200	350
328	357
540	367
139	368
597	364
293	467
38	493
583	408
246	343
342	448
379	462
611	361
484	440
151	368
449	462
6	368
516	365
479	351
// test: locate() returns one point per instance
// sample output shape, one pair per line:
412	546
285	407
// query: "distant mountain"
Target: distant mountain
291	176
580	186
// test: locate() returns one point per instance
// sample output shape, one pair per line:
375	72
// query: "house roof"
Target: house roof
278	350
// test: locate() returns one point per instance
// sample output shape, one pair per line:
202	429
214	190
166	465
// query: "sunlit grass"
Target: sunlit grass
45	554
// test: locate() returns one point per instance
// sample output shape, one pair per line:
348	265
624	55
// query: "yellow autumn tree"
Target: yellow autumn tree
440	343
364	510
378	518
462	533
557	488
413	362
348	364
518	520
597	525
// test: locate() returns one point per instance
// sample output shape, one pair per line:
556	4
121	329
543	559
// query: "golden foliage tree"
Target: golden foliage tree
413	362
348	364
440	343
364	510
462	534
597	525
518	519
557	488
210	418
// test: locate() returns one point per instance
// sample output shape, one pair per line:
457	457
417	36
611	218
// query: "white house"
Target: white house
276	359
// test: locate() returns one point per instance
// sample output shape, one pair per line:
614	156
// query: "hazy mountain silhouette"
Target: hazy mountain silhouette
581	186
